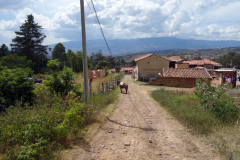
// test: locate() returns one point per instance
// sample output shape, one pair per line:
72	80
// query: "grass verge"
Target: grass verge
184	107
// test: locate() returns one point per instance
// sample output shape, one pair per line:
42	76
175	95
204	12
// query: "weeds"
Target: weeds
209	128
50	124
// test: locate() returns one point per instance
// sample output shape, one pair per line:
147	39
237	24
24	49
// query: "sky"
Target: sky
124	19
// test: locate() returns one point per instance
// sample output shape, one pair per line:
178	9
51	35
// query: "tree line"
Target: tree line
28	43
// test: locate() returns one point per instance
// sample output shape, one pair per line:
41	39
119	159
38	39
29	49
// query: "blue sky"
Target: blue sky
185	19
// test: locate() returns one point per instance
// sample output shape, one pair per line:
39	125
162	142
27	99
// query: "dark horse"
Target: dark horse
122	85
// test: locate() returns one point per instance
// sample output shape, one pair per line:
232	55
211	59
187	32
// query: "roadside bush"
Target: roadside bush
217	102
15	87
60	82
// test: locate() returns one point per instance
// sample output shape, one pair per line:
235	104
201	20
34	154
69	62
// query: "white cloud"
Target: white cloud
199	19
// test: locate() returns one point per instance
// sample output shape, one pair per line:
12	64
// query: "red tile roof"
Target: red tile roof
113	70
175	58
202	62
186	73
148	55
126	69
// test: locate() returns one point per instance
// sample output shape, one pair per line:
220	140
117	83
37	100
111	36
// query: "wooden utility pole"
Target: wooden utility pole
84	47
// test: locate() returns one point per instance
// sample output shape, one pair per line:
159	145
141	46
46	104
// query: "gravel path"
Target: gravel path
139	129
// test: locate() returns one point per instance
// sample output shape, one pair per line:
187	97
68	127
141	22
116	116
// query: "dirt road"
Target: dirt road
140	129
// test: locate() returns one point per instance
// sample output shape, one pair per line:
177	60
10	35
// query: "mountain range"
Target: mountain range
123	46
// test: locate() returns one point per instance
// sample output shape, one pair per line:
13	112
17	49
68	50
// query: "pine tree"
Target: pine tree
3	50
28	42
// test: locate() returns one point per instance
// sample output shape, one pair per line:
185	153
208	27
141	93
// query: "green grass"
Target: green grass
184	107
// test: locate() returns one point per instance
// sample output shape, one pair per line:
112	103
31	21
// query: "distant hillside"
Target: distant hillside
189	54
121	46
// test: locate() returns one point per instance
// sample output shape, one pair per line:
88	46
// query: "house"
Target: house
113	70
182	77
174	60
127	70
149	66
226	74
206	63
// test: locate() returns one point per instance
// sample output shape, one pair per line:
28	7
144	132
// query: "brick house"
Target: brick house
206	63
149	66
182	77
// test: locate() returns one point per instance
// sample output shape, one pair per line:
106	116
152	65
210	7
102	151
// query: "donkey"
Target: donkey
122	85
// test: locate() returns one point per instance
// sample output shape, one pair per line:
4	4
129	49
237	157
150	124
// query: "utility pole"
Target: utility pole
84	47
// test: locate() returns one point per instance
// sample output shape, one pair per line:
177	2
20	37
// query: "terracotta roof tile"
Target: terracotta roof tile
126	69
201	62
186	73
148	55
174	58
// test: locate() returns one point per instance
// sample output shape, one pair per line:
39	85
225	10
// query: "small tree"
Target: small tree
15	87
216	101
60	82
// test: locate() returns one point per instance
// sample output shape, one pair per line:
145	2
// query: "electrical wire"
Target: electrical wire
123	31
144	42
118	26
101	27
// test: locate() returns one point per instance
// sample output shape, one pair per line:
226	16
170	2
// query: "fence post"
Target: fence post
90	85
102	87
106	86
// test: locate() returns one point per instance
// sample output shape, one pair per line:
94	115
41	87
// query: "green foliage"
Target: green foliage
96	57
33	132
3	50
53	65
185	108
102	65
28	42
13	61
133	63
75	61
61	82
232	59
15	87
217	102
58	51
117	69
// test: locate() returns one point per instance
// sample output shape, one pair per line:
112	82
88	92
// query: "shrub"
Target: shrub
216	101
60	82
15	87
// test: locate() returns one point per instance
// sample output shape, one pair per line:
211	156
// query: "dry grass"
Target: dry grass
96	84
216	134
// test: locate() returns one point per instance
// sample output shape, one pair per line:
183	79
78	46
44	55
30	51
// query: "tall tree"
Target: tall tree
132	63
111	61
3	50
59	53
28	42
96	57
232	59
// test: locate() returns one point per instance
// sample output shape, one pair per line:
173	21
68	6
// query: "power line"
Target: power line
144	42
124	32
101	27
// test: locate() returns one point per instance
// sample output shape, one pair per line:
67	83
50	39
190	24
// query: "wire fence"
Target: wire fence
105	86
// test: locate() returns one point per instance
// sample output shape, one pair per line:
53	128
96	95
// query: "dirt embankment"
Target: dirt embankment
140	129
